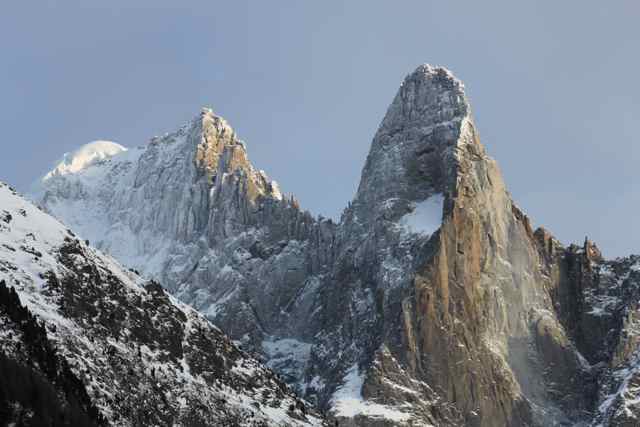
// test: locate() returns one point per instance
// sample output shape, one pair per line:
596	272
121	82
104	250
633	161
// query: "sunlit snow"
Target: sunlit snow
86	156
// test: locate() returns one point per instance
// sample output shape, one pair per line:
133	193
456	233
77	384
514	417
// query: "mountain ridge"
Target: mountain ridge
473	319
139	355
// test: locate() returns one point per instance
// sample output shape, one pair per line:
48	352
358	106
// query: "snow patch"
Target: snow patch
275	190
426	217
347	401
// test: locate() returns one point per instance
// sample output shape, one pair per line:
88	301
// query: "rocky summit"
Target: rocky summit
432	302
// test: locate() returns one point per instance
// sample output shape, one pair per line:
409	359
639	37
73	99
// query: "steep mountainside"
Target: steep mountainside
432	302
601	307
112	347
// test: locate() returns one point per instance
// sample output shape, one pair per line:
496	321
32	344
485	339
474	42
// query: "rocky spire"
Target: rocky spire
217	146
412	154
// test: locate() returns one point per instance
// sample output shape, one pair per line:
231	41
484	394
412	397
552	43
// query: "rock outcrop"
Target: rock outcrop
432	302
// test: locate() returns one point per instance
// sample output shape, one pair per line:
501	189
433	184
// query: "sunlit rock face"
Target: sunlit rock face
432	300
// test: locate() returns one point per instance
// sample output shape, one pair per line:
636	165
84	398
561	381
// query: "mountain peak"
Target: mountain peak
85	156
412	154
427	97
213	127
429	71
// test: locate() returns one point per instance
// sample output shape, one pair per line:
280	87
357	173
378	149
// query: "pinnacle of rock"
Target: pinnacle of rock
429	96
411	157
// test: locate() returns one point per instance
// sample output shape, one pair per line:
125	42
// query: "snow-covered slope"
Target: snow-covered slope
142	355
87	155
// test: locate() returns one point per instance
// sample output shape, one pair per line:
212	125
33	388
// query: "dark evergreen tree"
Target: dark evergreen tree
44	392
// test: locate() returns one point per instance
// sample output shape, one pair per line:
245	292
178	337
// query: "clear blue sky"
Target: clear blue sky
554	86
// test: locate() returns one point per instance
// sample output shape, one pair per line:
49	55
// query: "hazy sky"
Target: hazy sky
554	87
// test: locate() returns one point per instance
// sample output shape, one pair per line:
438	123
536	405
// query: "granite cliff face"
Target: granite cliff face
431	302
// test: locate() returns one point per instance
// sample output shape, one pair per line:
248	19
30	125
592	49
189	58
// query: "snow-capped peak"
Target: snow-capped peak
84	157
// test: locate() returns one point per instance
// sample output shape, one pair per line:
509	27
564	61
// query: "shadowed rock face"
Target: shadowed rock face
432	301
